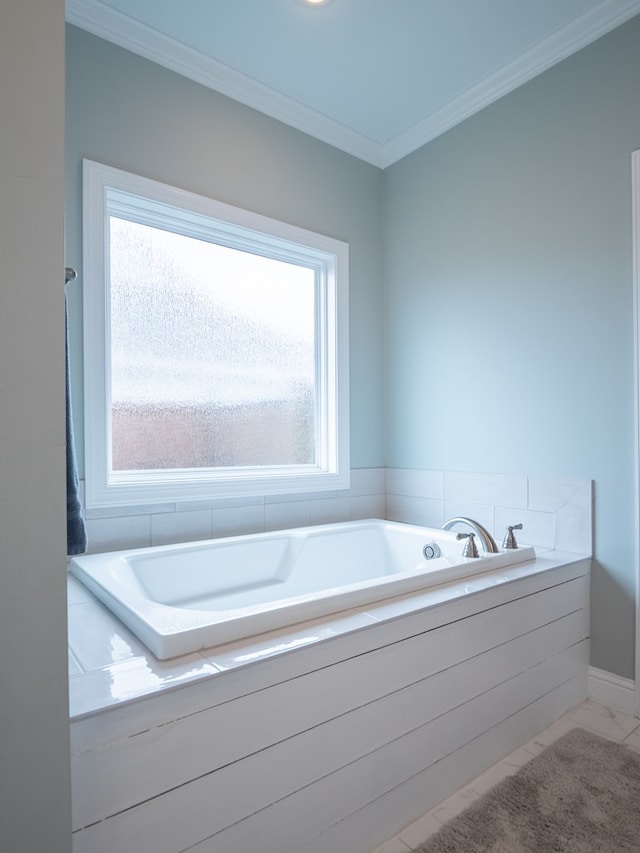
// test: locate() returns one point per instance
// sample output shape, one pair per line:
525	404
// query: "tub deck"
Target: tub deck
181	598
366	718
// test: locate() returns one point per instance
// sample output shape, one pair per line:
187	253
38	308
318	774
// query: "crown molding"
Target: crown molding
120	29
561	44
113	26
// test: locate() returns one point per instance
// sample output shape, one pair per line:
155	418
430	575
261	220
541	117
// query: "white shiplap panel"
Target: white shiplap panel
127	720
368	827
121	774
290	822
189	813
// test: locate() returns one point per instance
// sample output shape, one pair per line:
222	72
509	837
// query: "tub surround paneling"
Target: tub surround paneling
163	524
360	729
366	718
556	511
110	668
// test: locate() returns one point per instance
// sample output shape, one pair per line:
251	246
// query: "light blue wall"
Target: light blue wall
508	344
132	114
509	301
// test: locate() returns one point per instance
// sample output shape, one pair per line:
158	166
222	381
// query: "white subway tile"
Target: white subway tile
574	523
495	489
219	503
550	493
367	481
329	510
128	511
237	521
112	534
411	510
299	496
478	512
538	528
367	506
415	482
403	494
281	516
168	528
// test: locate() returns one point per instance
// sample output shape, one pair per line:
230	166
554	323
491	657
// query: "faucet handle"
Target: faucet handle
470	548
510	540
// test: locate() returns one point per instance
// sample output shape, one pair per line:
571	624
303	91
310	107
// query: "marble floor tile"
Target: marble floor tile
515	760
394	846
603	721
485	781
633	740
417	832
453	806
590	715
552	733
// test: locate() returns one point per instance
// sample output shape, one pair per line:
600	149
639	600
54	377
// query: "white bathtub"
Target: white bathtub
181	598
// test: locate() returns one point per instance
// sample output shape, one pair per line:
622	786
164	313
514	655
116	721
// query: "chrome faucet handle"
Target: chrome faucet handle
488	542
470	548
510	543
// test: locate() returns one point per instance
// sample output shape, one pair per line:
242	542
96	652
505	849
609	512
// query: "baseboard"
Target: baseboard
611	690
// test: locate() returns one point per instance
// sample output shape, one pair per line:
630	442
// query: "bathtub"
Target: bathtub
182	598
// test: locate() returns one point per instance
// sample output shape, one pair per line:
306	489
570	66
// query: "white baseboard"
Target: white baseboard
612	690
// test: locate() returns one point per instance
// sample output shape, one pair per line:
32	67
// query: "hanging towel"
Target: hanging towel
76	530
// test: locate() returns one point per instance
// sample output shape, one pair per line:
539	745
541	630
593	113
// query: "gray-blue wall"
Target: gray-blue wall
509	302
503	316
132	114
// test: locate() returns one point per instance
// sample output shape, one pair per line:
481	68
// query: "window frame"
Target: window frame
107	190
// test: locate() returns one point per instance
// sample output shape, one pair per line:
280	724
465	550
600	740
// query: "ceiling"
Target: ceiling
375	78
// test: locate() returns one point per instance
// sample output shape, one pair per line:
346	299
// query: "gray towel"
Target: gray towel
76	530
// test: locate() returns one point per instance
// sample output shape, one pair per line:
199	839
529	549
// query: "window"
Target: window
215	348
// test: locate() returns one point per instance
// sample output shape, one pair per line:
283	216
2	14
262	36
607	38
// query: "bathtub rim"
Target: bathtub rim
169	632
168	687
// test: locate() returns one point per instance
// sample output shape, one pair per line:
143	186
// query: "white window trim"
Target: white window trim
331	471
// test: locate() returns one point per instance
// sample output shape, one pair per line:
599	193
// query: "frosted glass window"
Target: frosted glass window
212	354
216	349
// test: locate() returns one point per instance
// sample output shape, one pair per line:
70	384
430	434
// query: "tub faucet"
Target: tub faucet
488	542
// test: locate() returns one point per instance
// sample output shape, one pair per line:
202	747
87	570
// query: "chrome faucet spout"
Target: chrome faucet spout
488	542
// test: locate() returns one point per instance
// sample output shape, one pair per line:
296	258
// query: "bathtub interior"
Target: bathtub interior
182	598
238	571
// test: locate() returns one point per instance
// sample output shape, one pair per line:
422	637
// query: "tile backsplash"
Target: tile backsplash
162	524
556	512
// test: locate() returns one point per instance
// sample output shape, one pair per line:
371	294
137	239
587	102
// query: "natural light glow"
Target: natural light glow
216	348
208	342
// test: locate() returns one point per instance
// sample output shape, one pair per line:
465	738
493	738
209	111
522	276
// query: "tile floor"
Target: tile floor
590	715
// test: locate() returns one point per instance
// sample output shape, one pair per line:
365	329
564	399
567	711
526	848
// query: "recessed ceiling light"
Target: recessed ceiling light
314	2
